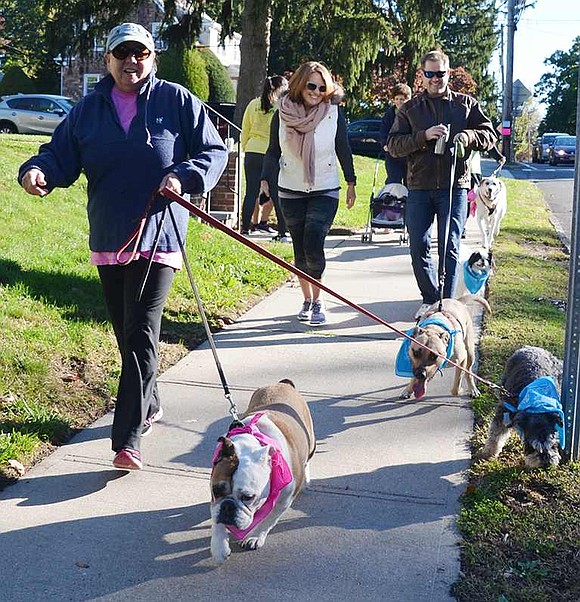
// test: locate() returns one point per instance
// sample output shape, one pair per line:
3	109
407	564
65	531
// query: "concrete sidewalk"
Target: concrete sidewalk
376	522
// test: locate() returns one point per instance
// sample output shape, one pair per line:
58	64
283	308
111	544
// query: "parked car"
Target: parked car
540	149
562	150
364	136
32	113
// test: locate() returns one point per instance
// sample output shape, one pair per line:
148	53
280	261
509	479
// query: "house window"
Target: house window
89	82
156	32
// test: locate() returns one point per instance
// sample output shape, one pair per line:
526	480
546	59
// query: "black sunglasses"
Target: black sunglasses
312	86
430	74
121	52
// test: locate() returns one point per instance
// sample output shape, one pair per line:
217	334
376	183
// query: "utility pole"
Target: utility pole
507	109
571	377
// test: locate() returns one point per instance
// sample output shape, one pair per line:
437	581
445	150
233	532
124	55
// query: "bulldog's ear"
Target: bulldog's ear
228	450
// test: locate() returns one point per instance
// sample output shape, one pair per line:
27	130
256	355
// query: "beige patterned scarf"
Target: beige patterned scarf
300	126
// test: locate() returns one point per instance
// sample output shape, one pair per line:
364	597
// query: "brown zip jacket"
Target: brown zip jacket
425	169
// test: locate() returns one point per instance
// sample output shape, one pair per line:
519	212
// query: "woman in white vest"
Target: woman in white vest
307	141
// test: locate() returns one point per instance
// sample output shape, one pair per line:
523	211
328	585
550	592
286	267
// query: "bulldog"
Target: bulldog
259	467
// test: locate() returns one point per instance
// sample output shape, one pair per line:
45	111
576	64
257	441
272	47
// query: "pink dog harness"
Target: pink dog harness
280	476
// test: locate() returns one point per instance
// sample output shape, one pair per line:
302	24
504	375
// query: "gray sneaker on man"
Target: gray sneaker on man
419	313
318	317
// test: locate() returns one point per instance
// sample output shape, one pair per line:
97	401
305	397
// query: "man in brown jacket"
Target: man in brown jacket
436	113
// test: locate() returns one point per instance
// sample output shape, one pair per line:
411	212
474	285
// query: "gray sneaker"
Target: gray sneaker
318	317
306	312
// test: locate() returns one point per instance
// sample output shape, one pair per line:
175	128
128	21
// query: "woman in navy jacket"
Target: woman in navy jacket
133	136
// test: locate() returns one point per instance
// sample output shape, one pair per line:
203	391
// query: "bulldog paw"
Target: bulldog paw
475	392
254	543
405	394
220	551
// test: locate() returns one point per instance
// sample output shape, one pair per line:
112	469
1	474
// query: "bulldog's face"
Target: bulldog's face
490	188
240	481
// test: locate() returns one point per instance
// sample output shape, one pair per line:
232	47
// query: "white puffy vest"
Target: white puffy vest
325	171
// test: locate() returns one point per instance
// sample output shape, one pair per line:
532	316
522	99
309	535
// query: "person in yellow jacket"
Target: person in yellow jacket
255	138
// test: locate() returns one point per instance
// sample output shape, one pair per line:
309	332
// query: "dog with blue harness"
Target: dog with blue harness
445	332
533	378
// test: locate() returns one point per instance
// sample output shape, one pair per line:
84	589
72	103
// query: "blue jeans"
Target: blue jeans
421	208
309	219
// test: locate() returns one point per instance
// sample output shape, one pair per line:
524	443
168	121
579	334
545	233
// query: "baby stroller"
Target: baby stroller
387	210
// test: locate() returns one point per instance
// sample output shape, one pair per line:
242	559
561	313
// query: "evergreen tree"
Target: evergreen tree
469	36
221	88
186	67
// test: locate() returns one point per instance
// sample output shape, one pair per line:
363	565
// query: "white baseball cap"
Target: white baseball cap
129	32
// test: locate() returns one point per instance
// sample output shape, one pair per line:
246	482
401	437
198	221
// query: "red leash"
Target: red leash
212	221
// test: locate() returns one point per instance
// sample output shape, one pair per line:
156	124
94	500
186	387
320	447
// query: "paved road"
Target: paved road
557	184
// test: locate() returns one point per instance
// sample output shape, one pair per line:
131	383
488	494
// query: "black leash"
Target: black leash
167	209
442	271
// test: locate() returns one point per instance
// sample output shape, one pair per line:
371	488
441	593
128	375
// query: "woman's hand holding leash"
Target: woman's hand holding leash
171	182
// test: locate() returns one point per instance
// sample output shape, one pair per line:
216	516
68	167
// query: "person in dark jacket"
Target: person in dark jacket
396	166
437	113
308	140
133	136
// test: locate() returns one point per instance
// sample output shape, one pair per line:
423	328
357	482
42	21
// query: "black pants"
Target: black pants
137	325
253	170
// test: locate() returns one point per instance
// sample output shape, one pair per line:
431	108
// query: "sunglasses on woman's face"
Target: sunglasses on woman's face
312	86
121	52
431	74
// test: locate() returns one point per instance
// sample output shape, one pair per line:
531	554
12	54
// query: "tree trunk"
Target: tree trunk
254	48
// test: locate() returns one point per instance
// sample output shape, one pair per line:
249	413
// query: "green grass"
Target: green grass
59	365
58	359
521	527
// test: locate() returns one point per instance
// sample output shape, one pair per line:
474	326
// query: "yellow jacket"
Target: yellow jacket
255	135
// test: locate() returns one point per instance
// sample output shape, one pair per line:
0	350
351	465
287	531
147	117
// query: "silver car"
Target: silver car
32	113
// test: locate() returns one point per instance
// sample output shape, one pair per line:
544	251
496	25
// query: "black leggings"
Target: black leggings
137	325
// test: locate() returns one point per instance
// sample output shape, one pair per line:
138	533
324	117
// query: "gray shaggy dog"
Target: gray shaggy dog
537	430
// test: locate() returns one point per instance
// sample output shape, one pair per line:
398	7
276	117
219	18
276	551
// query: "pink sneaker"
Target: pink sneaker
128	459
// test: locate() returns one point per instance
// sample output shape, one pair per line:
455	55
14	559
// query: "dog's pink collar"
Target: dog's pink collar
280	476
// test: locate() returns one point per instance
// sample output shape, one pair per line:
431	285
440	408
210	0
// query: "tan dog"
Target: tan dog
454	321
490	208
260	467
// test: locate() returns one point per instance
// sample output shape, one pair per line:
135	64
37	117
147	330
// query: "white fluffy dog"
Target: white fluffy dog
491	207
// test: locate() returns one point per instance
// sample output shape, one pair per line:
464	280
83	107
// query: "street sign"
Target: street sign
519	94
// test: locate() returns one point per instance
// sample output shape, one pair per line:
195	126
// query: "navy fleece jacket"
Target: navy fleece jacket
170	133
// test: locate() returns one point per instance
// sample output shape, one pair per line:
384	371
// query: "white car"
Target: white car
32	113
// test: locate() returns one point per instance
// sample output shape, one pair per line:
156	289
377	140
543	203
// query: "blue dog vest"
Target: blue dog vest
541	396
403	365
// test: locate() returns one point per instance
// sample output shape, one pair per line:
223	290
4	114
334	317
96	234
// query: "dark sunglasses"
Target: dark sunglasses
430	74
312	86
121	52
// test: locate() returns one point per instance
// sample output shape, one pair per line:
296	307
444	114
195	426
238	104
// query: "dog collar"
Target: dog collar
474	282
403	365
280	475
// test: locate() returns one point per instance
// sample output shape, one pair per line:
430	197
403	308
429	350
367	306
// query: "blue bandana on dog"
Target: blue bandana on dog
474	282
541	396
403	365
